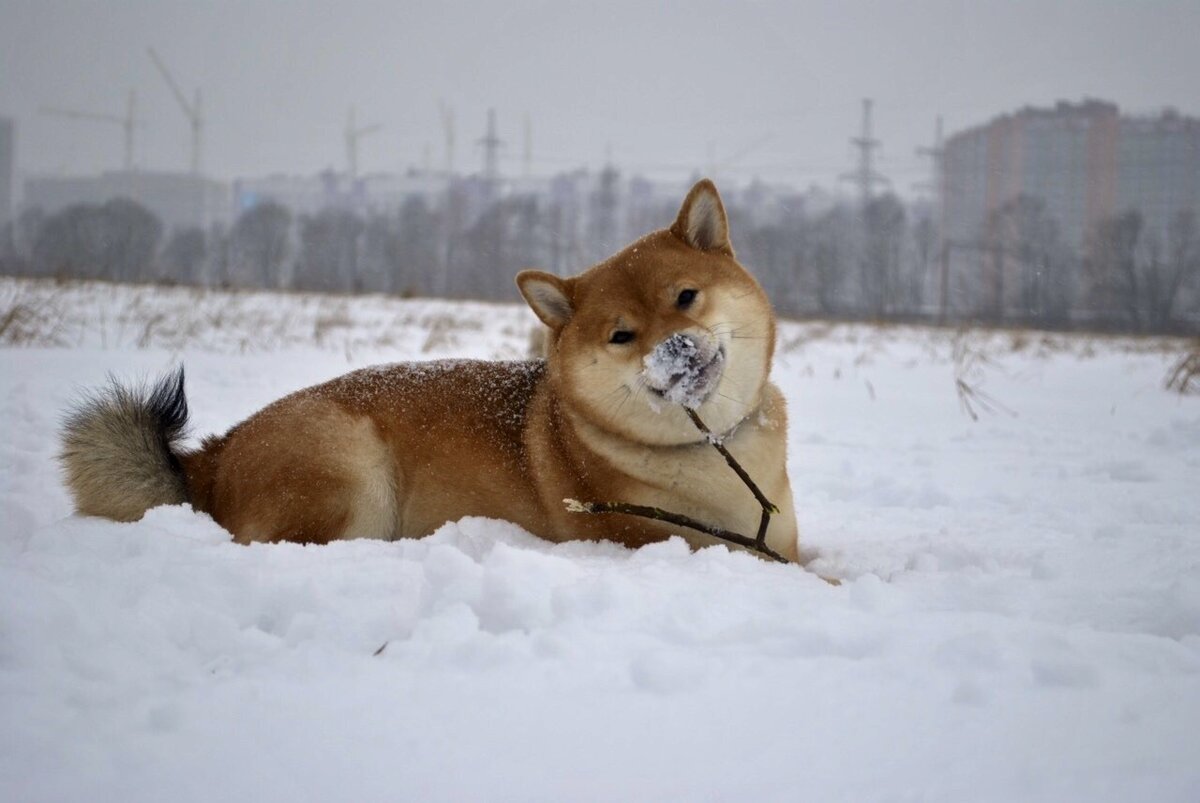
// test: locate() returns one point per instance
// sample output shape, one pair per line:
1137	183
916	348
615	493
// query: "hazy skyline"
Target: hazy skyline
764	89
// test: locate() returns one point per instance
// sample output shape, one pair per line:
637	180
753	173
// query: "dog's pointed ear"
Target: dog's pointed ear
547	296
702	223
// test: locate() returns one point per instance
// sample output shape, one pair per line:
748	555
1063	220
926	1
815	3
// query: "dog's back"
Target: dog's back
384	451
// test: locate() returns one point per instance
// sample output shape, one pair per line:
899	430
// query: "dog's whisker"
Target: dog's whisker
624	399
731	398
607	397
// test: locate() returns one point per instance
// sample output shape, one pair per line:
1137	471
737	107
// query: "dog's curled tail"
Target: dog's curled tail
119	448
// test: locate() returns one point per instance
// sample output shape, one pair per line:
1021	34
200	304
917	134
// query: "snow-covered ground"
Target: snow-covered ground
1019	617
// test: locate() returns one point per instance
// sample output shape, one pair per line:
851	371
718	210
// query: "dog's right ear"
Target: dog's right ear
702	222
547	296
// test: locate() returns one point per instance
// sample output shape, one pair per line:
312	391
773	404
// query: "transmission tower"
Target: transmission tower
865	177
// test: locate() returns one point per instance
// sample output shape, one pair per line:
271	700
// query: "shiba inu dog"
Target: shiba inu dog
396	451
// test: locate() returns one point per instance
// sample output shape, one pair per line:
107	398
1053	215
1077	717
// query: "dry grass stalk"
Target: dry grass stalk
1184	376
29	320
969	363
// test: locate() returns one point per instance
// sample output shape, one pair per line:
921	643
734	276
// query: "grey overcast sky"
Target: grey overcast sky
757	88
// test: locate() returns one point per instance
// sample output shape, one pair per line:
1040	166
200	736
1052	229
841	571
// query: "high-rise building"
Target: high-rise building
8	157
1085	161
1158	166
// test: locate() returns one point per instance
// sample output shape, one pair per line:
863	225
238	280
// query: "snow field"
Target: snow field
1019	617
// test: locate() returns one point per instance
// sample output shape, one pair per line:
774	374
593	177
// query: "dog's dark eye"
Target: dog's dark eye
621	336
686	298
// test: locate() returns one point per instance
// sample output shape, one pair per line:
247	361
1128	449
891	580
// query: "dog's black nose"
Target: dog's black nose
679	346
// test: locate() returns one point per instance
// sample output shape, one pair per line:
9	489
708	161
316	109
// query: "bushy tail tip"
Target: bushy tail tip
119	448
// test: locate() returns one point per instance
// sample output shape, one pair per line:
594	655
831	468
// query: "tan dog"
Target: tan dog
396	451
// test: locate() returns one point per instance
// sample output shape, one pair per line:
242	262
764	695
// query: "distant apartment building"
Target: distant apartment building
180	200
8	158
1158	165
1086	161
381	193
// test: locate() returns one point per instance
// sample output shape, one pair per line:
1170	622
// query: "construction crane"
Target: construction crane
353	135
192	111
128	121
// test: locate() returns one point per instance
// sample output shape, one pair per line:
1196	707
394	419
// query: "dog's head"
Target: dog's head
670	321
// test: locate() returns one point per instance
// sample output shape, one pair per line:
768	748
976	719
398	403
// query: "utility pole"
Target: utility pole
127	122
447	115
937	185
527	154
192	111
353	135
935	155
491	144
865	177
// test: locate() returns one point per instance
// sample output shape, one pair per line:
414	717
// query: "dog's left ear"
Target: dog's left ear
702	223
548	296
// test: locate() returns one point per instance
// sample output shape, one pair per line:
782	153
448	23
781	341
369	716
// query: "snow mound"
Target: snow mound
1019	617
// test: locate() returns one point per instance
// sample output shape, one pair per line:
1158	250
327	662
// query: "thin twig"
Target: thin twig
768	507
733	464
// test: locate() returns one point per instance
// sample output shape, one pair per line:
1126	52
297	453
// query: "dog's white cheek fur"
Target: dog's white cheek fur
743	329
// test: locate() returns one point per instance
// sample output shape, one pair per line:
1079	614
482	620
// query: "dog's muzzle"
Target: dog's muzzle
684	369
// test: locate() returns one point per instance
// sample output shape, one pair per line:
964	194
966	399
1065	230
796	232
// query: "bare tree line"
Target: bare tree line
884	261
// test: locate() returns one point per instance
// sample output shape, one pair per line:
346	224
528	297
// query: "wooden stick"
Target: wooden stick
658	514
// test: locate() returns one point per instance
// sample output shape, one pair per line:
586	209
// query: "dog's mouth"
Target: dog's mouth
682	375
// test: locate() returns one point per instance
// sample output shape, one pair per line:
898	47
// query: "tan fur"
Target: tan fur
396	451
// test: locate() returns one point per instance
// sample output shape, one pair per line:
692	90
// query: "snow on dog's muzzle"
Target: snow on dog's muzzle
684	369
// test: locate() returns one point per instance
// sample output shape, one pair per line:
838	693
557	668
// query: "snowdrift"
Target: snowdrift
1019	617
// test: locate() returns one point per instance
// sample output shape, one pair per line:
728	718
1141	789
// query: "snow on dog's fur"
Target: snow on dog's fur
396	451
